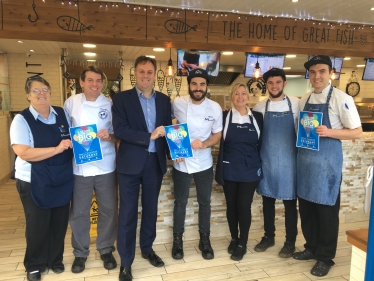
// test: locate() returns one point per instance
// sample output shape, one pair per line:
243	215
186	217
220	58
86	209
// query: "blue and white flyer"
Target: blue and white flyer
86	144
306	131
178	139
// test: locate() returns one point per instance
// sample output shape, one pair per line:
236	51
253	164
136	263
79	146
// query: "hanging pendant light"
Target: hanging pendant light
170	71
257	70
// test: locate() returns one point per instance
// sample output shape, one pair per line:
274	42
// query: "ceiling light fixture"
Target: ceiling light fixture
347	58
287	68
294	1
170	68
158	49
227	53
290	56
360	65
150	56
257	70
89	45
89	54
31	51
91	60
19	41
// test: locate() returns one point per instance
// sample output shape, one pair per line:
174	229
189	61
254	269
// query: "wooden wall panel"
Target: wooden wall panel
142	26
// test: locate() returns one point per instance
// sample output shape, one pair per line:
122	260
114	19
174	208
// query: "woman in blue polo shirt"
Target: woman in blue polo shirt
239	166
44	177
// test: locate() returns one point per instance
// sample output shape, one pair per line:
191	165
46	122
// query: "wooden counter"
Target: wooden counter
358	238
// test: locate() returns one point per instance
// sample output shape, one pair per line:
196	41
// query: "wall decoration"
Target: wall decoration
178	84
36	14
178	27
353	87
170	84
160	79
33	64
256	86
69	23
132	77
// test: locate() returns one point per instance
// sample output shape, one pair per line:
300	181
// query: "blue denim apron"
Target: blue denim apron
278	155
241	160
52	179
319	173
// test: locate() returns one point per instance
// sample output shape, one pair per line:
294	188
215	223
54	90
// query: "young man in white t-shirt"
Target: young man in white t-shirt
204	119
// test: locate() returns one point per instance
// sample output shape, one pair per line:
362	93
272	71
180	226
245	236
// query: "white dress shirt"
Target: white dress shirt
203	120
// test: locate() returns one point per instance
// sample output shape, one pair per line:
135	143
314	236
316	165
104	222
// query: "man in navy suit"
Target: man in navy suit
139	117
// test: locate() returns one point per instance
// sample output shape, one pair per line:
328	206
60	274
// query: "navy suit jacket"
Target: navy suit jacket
219	168
131	129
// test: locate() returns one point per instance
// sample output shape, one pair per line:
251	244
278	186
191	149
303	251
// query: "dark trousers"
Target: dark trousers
239	196
320	226
45	231
129	186
182	182
290	213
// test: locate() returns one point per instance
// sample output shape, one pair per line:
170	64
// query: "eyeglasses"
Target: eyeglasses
38	91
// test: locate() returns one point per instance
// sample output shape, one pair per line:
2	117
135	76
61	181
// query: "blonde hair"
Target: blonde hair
235	87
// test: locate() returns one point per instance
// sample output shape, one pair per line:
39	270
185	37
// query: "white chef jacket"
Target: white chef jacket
342	109
99	112
203	120
280	106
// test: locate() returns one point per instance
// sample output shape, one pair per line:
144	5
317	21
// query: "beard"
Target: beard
204	93
277	95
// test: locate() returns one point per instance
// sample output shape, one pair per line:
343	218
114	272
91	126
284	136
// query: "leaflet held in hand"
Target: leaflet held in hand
306	131
178	139
86	144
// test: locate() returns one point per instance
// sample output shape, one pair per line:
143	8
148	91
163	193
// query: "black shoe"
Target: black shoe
59	268
320	269
34	276
287	250
232	246
109	261
238	254
205	247
266	242
153	259
303	256
78	265
125	274
177	250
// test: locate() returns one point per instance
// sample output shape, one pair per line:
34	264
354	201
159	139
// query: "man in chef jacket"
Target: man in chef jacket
204	119
92	107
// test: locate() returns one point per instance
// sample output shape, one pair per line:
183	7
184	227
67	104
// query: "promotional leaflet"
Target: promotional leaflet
178	139
306	131
86	144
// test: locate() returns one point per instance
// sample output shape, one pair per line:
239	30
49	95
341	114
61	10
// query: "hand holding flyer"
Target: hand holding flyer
178	140
86	144
306	133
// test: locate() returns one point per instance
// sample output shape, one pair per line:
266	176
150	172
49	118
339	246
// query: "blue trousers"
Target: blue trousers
150	179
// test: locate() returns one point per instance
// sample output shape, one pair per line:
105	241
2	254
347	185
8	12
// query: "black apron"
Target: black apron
52	179
241	159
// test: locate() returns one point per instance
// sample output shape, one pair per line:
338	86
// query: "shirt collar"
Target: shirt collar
140	92
325	90
234	111
35	114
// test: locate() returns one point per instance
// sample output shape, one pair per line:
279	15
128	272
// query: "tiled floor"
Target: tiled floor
265	266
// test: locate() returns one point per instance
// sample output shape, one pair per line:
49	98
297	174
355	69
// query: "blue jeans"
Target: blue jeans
182	182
